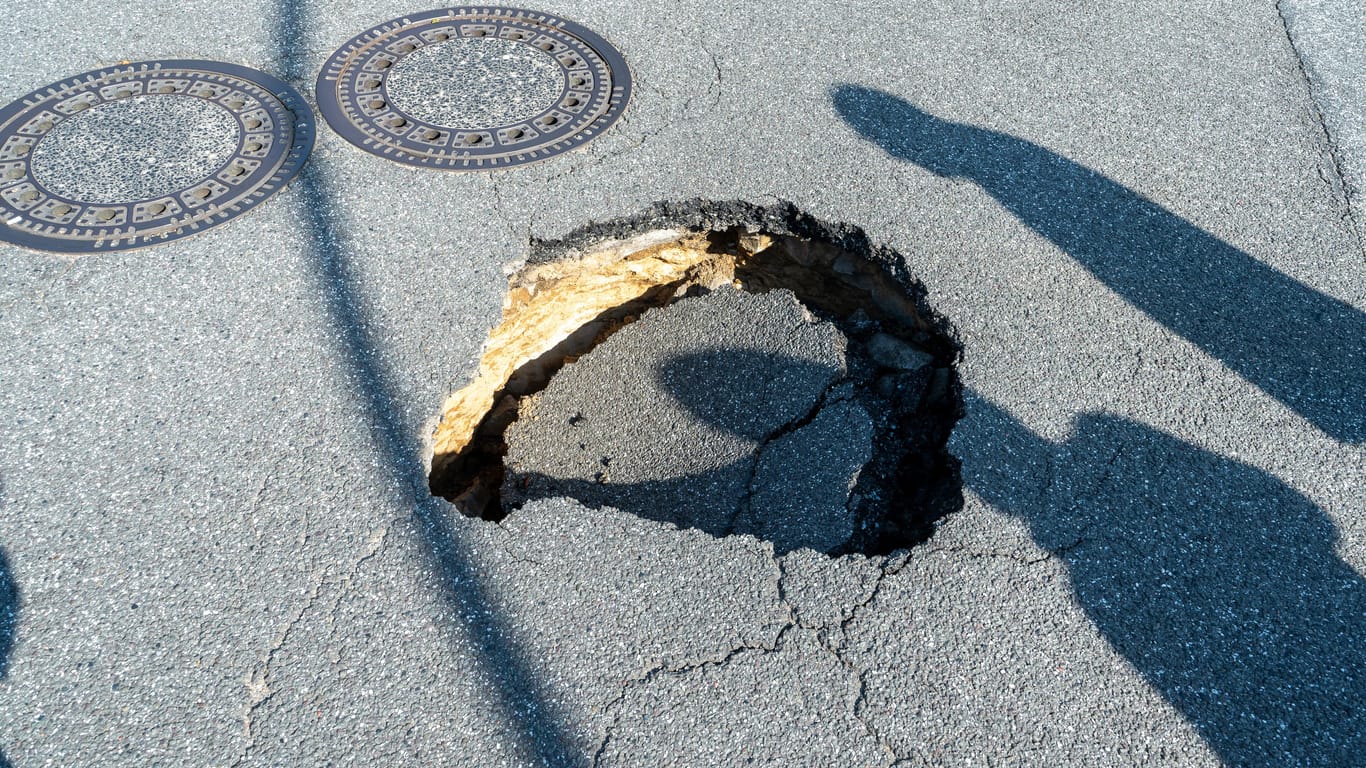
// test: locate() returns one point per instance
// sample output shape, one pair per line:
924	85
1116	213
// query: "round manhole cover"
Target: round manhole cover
470	89
145	152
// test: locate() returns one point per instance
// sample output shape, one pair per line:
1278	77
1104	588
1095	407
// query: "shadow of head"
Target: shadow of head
746	392
904	131
676	457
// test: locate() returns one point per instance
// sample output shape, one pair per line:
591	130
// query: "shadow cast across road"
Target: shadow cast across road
1220	584
1303	348
1215	580
9	613
9	617
739	401
782	445
537	725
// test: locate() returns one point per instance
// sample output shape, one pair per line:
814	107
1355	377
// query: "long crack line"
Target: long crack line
743	505
1329	148
986	554
891	566
1058	553
258	681
857	676
612	708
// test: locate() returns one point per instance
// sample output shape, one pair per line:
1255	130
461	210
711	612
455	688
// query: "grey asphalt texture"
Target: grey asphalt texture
215	535
732	428
1327	36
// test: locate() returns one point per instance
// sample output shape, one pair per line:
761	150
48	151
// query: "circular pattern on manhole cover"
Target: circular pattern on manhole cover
146	152
470	89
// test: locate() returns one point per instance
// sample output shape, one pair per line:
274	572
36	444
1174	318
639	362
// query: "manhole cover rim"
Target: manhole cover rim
288	151
608	105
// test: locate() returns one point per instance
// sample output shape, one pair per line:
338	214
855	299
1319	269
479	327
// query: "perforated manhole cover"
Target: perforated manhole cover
470	89
146	152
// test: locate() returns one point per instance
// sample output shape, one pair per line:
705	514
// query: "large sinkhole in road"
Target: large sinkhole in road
725	378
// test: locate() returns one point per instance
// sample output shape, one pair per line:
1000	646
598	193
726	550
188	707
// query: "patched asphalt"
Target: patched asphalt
215	533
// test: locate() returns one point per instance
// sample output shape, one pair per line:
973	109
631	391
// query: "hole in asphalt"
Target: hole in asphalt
734	378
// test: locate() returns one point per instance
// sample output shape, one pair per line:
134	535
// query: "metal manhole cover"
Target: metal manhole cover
146	152
473	88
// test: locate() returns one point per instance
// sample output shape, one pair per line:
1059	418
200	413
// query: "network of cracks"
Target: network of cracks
723	367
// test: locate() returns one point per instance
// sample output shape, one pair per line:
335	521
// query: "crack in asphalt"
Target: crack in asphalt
890	568
985	554
249	516
699	33
612	708
258	681
683	115
1328	145
679	670
823	632
1058	553
522	235
744	504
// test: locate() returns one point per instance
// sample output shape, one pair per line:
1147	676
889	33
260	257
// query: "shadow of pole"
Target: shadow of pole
9	617
524	707
502	659
9	613
1303	348
1216	581
9	609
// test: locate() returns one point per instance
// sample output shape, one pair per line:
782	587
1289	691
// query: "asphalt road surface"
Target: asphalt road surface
1144	221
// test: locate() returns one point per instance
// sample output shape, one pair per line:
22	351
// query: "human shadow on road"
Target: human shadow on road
537	724
1215	580
1303	348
